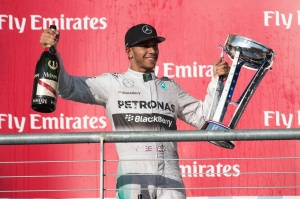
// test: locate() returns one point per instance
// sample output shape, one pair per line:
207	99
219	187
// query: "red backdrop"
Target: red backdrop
92	42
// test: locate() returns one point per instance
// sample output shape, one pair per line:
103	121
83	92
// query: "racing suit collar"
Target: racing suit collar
145	76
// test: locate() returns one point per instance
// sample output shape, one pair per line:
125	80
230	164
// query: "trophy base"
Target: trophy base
215	126
224	144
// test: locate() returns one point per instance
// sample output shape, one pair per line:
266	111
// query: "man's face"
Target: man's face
143	56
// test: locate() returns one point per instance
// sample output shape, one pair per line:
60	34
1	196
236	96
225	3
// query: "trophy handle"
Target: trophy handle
247	95
228	89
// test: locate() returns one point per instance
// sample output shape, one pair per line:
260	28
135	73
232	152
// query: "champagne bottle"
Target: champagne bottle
45	84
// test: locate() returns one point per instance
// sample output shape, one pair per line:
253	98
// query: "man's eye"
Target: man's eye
149	46
146	46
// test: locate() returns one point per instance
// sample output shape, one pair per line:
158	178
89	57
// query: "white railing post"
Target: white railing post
101	168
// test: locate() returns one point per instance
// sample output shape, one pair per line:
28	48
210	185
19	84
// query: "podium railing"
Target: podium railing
149	136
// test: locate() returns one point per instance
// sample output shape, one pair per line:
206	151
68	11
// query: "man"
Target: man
137	100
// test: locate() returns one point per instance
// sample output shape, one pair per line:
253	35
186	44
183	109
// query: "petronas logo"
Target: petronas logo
163	86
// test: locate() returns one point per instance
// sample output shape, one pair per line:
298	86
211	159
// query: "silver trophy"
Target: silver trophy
243	52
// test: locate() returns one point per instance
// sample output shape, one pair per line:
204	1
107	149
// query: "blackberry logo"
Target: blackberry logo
148	119
142	121
129	118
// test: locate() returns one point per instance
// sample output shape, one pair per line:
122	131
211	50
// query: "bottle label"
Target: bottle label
46	87
53	64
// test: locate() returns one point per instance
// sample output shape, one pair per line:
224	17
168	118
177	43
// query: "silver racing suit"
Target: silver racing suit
141	102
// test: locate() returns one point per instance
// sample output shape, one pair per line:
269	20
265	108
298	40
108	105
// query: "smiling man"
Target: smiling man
137	100
141	44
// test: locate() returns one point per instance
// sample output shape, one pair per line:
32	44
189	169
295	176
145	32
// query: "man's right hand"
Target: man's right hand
49	38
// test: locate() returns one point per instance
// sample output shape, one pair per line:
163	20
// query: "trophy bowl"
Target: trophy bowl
253	52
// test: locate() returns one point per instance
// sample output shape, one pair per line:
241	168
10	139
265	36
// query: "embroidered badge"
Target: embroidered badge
163	86
148	148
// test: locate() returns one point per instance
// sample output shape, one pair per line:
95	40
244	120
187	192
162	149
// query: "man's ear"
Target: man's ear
129	53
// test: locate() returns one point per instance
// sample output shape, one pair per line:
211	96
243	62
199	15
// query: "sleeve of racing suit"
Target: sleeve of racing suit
90	90
193	111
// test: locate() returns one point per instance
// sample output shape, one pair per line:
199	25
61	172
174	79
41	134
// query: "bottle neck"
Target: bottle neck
50	49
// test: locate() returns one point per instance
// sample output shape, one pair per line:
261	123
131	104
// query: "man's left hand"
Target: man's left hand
221	68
